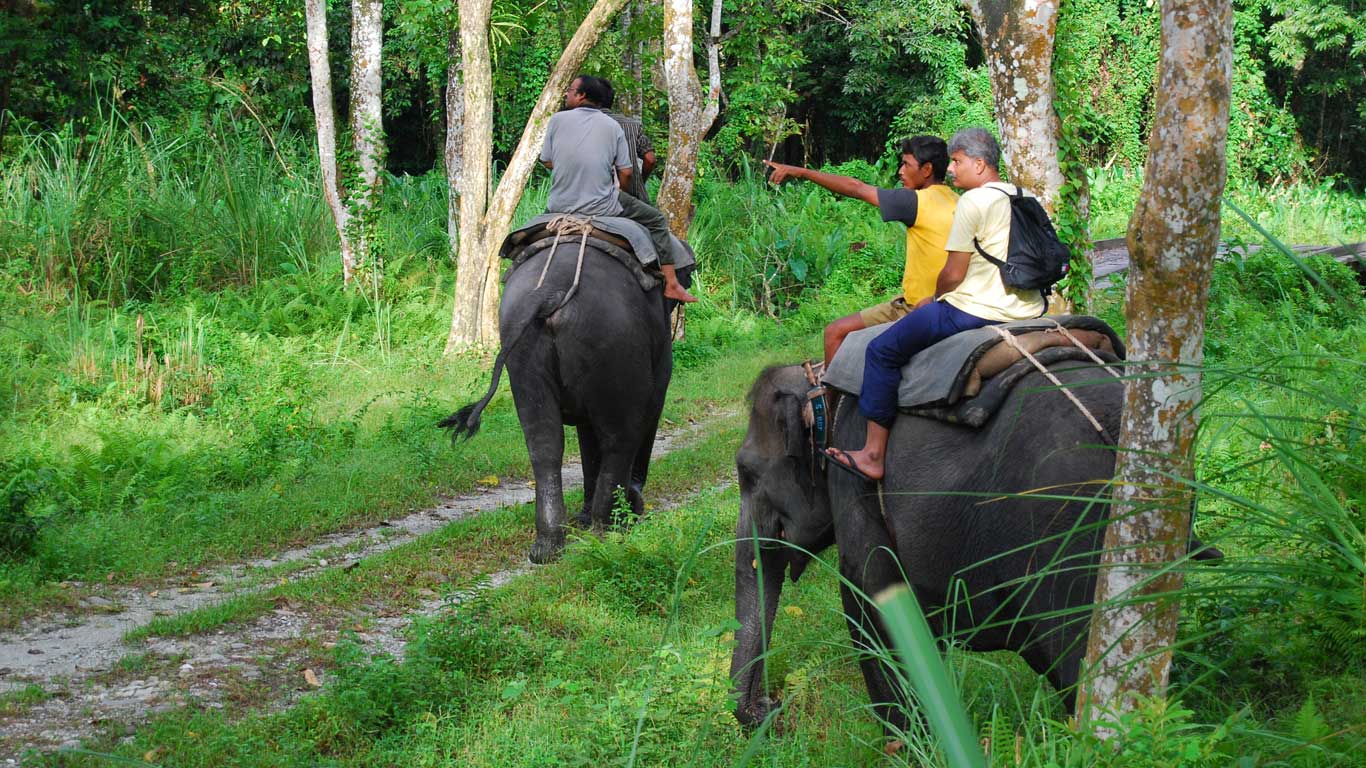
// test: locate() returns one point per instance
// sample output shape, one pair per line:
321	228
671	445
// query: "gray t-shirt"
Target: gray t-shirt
586	148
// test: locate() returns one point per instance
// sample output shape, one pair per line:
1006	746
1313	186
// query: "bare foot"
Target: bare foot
865	463
677	292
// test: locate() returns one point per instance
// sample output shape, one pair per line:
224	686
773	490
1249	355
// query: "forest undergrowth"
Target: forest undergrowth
183	382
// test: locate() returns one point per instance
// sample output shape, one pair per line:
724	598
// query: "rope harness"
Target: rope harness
566	224
1009	338
1057	326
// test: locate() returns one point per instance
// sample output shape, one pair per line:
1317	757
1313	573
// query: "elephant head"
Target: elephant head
784	520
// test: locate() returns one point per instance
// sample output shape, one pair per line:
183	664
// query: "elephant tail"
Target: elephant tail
464	423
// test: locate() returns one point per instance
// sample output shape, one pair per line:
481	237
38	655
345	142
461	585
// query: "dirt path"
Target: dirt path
92	679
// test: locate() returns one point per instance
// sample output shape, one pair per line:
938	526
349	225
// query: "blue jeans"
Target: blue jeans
894	347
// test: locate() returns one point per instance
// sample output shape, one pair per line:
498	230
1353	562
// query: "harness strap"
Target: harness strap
815	413
1010	339
1057	326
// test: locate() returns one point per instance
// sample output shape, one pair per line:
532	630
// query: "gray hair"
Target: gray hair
977	143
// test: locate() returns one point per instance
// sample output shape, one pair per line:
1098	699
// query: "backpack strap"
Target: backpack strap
1019	193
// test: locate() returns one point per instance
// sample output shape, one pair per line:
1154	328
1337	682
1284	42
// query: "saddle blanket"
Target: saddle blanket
628	229
940	381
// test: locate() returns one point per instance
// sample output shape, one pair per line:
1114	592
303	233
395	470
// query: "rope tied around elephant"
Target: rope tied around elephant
566	224
1009	338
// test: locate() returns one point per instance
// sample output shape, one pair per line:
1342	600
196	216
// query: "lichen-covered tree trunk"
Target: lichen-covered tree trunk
1172	240
454	149
367	117
484	219
1017	36
315	17
689	116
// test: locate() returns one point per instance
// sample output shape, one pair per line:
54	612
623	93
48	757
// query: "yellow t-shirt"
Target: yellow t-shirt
984	213
925	252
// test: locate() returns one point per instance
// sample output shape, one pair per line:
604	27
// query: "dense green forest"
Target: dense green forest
191	404
826	82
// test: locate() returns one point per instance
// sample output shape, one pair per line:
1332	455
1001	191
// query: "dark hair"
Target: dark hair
611	97
928	150
597	91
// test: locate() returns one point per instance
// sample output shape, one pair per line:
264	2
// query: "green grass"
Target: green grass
183	383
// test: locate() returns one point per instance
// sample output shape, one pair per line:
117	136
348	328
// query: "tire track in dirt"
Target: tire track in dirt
77	656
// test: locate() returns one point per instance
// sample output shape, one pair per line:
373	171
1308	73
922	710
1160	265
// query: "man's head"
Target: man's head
924	161
974	158
587	91
610	96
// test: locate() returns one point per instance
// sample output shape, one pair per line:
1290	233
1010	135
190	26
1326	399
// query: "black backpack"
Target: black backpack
1035	258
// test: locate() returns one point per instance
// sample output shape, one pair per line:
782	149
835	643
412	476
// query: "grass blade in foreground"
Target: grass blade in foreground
924	667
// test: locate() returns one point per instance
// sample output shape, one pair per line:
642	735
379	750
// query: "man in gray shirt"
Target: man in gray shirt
587	154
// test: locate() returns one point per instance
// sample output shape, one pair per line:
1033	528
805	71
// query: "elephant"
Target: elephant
591	350
1018	571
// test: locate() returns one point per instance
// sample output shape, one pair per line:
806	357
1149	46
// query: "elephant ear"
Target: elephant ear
793	426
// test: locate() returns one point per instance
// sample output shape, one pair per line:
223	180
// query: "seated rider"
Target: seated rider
969	294
587	154
923	203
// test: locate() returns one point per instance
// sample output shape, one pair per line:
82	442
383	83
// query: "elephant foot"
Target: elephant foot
583	520
546	549
752	714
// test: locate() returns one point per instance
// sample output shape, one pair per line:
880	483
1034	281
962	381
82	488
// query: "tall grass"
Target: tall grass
132	211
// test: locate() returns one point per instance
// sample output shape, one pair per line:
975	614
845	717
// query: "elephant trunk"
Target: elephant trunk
759	575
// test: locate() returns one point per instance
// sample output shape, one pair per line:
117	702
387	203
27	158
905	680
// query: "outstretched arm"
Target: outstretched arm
840	185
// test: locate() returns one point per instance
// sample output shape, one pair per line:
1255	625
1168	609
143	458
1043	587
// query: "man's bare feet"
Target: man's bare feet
677	292
865	463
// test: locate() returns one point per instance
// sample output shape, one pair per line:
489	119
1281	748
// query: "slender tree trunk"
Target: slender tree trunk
315	15
1172	240
454	150
628	59
1017	36
484	219
367	117
689	116
638	67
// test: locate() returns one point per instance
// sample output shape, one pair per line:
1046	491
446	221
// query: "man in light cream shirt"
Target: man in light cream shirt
969	293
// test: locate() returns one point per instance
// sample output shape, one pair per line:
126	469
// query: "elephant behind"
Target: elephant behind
946	522
592	351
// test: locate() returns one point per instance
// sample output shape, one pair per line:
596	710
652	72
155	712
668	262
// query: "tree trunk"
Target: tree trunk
1172	240
1017	36
454	150
367	117
485	220
315	15
689	117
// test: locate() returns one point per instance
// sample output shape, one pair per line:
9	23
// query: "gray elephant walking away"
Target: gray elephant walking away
600	362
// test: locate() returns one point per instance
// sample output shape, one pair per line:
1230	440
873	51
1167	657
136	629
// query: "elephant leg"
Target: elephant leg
590	454
867	631
614	477
545	444
640	465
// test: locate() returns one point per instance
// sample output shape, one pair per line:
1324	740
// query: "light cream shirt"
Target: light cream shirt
984	213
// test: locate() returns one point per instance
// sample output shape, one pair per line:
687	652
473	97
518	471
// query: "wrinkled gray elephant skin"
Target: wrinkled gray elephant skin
600	362
1018	571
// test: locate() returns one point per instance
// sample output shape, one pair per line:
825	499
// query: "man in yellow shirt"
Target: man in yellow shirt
969	293
923	203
